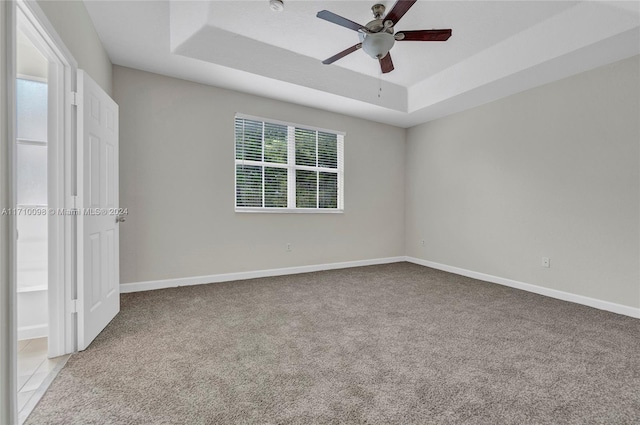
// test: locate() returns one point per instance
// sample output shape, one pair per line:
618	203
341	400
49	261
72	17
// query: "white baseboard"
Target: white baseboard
227	277
35	331
553	293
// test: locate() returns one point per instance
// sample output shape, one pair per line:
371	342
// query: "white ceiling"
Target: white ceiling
497	48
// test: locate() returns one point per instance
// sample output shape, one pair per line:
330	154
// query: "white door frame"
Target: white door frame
60	175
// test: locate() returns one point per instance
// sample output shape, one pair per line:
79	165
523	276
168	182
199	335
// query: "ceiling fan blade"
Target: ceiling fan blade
339	20
398	10
342	54
386	64
424	35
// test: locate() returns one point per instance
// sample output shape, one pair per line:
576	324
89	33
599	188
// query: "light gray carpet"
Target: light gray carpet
391	344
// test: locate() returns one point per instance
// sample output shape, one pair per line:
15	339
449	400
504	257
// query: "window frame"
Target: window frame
291	168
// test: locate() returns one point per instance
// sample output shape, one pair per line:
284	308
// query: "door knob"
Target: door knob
120	219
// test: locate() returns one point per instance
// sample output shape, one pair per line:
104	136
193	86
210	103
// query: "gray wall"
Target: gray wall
74	26
553	172
177	179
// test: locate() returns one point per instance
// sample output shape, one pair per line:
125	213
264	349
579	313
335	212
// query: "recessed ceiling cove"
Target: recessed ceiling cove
497	48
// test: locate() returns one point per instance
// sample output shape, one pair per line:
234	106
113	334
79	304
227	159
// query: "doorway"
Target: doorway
32	270
39	191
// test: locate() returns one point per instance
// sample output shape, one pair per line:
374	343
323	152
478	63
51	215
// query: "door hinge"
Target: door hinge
74	306
74	98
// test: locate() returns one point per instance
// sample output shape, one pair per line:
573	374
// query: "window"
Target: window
31	109
283	167
32	194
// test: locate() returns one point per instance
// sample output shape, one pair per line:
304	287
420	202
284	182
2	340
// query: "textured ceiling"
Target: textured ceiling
497	48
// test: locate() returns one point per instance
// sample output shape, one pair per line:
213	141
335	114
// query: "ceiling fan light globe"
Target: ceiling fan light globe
378	45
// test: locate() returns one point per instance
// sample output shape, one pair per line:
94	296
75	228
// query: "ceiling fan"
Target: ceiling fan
377	37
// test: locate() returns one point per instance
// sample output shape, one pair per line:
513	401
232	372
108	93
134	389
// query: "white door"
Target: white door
98	235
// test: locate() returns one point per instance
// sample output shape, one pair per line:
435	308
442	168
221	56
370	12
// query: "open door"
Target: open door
98	206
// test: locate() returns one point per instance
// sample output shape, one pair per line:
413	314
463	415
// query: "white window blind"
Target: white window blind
283	167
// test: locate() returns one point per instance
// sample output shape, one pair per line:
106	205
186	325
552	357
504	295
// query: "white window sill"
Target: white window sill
290	210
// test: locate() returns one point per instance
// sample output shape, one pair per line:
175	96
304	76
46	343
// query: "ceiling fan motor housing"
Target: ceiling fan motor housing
377	25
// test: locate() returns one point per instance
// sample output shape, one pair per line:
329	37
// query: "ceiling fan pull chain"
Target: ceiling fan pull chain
379	83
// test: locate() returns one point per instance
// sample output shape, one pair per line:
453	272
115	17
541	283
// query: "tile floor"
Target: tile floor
35	373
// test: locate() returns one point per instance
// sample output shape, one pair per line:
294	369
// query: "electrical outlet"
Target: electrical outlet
546	262
288	249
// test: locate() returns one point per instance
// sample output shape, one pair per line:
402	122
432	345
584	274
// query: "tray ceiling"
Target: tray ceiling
497	48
